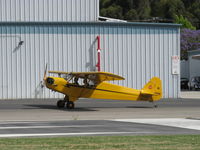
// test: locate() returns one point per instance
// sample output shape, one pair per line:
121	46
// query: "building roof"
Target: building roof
196	57
95	23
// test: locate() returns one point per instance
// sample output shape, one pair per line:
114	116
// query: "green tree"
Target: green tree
131	15
143	9
194	9
157	9
125	4
185	22
105	3
167	9
113	11
174	7
188	3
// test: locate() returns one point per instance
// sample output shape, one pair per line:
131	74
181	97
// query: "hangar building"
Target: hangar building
190	68
63	34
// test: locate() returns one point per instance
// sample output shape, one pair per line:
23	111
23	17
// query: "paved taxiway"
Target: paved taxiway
20	118
86	109
87	127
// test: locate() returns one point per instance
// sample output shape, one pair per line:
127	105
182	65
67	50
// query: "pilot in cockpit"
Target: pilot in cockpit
76	81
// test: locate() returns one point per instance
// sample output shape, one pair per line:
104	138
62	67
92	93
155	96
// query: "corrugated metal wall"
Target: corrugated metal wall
49	10
135	51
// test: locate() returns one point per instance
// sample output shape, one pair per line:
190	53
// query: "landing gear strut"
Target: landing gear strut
70	105
154	105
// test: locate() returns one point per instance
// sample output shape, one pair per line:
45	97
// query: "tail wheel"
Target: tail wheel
60	104
70	105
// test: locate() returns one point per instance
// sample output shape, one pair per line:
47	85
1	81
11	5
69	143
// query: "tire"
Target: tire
61	104
70	105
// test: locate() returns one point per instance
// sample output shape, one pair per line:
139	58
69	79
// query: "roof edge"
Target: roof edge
94	23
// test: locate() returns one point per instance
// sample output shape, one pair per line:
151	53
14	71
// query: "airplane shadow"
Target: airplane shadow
139	107
52	107
121	107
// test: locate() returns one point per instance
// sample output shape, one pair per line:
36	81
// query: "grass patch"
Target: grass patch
174	142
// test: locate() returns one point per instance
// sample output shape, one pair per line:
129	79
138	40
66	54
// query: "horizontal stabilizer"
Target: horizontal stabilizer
146	92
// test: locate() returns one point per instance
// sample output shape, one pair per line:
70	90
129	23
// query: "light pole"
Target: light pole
98	65
20	43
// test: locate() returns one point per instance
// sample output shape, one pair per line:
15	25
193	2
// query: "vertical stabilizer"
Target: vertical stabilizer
153	89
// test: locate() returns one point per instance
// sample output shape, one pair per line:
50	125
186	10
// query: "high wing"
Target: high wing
94	76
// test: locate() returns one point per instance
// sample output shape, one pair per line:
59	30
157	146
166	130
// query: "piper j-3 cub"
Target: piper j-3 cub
75	85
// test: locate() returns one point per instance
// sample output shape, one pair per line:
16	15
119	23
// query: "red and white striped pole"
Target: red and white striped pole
98	54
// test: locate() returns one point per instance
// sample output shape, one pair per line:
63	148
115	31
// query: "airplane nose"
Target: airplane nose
50	80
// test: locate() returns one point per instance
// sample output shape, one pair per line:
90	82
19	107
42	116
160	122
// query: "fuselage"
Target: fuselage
103	90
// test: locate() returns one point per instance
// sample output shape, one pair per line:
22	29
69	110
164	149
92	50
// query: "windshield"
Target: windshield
67	77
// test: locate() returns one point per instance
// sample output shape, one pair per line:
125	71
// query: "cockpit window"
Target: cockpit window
67	77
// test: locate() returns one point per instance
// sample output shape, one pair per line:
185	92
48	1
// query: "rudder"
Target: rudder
153	89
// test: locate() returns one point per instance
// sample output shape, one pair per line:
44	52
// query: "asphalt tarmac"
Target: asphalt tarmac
90	109
19	118
85	128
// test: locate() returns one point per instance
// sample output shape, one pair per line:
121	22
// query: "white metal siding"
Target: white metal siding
135	51
184	69
49	10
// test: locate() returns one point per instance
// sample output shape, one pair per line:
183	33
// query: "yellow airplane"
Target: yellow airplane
75	85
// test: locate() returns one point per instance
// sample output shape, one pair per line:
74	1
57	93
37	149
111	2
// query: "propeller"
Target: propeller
40	87
39	90
45	73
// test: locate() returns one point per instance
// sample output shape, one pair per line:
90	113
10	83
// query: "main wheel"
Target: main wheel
61	104
70	105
